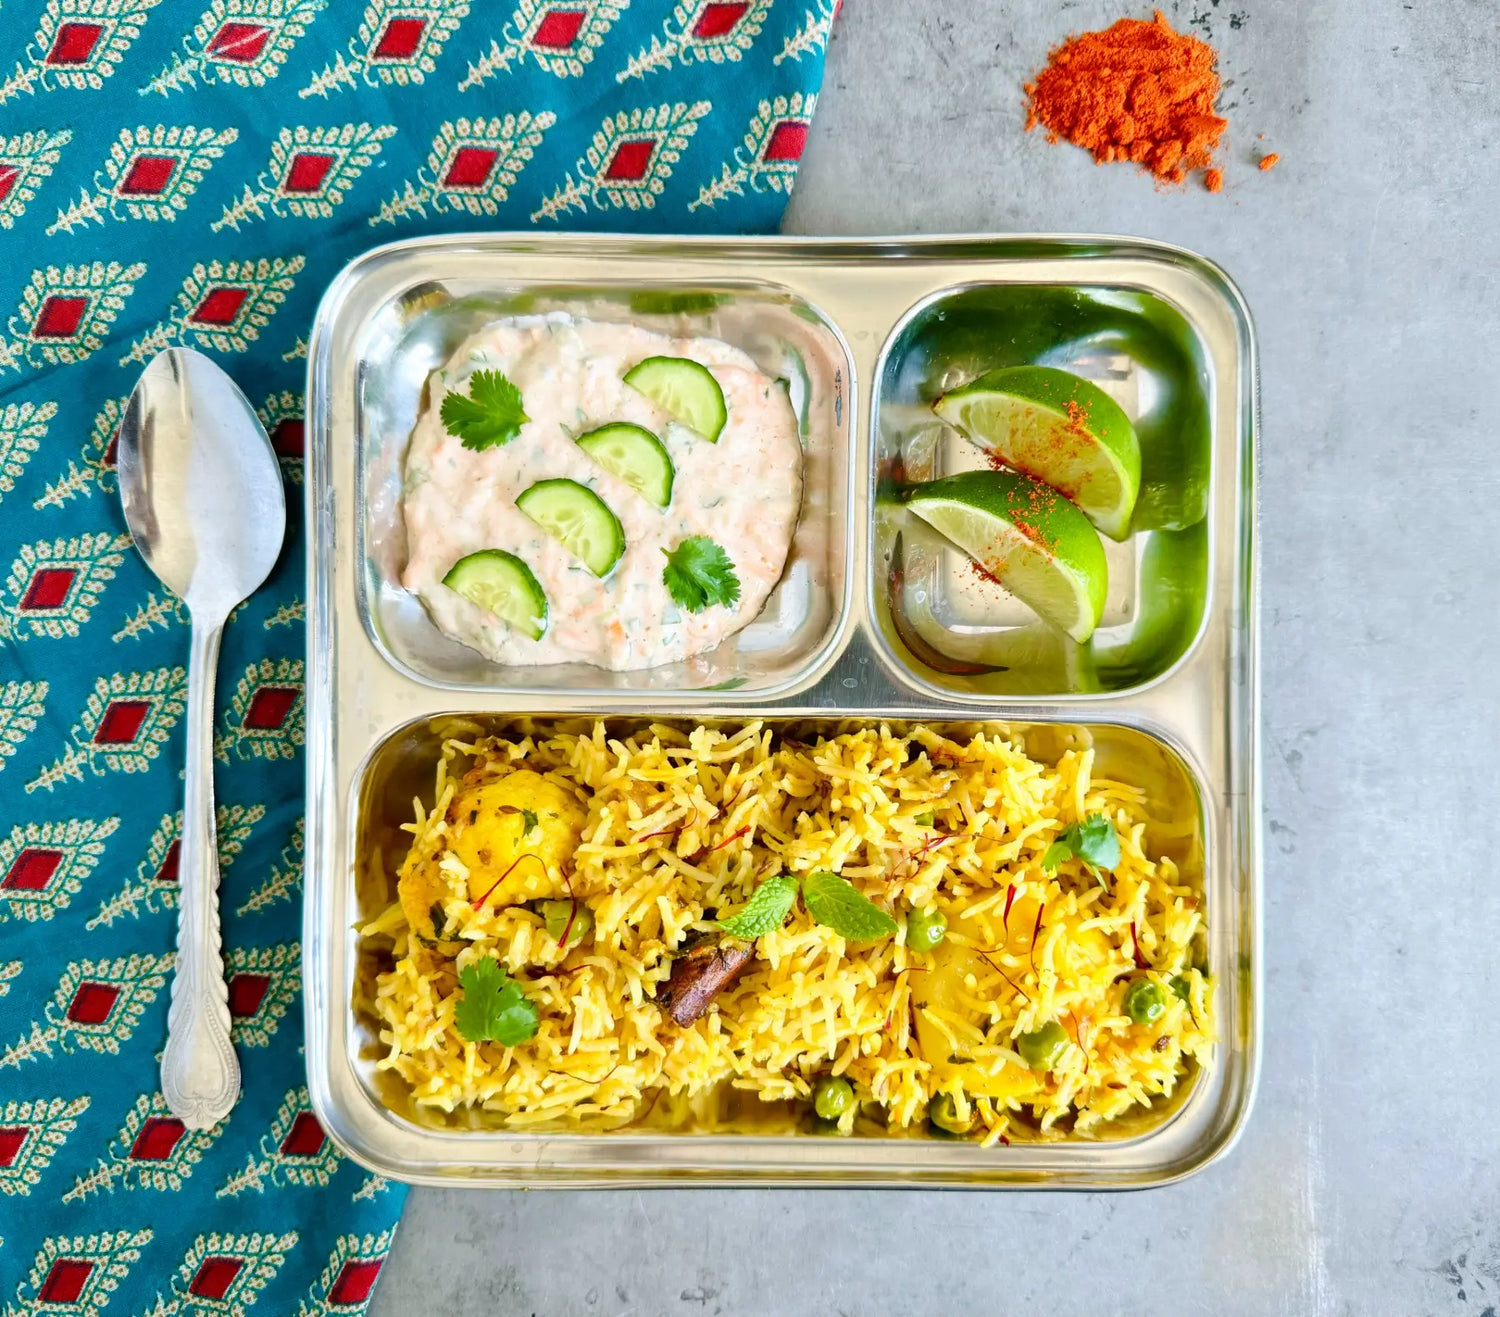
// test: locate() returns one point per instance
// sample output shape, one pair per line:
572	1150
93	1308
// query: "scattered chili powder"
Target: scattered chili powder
1135	91
1213	180
1270	161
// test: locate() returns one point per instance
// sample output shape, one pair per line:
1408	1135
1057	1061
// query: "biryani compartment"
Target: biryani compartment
799	629
731	1131
942	621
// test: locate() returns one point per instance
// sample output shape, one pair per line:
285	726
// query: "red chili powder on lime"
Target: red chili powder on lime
1135	91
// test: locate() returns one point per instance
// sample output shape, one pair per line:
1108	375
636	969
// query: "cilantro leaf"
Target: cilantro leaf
1094	841
765	910
835	903
490	415
493	1006
1056	854
699	573
528	822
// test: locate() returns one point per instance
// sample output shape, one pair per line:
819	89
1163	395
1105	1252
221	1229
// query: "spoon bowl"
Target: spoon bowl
200	483
204	503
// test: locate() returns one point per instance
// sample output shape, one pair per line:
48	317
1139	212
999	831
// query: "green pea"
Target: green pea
942	1111
557	914
1041	1047
832	1097
925	929
1143	1001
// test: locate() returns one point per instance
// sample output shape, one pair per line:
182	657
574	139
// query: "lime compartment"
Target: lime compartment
958	631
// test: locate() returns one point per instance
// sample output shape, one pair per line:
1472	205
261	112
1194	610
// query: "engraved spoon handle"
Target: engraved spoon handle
200	1074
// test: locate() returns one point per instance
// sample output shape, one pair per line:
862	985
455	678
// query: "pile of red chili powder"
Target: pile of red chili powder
1136	91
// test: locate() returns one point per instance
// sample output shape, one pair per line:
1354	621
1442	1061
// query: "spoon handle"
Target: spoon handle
200	1075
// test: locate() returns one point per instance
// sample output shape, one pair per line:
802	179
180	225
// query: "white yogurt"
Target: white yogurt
743	491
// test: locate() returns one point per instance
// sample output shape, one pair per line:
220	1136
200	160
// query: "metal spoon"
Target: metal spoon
204	503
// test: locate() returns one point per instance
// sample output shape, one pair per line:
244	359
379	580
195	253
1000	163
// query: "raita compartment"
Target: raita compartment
415	329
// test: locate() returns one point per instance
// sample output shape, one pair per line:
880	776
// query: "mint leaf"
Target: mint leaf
1094	841
835	903
489	416
493	1006
699	573
765	910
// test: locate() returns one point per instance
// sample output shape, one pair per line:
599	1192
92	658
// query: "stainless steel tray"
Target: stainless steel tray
838	315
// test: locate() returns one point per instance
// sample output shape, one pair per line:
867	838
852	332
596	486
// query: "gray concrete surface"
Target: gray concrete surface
1368	1180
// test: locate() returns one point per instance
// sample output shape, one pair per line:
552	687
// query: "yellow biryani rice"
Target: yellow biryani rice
676	830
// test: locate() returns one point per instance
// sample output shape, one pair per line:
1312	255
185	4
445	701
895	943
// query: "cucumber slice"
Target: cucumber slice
634	455
684	388
503	584
578	519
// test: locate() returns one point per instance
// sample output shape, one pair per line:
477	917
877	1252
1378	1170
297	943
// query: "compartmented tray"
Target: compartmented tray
870	621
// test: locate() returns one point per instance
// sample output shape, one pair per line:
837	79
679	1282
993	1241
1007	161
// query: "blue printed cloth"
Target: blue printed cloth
176	173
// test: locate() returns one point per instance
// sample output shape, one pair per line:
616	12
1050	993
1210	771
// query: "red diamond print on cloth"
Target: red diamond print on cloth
220	306
471	167
787	141
93	1002
168	871
32	870
246	992
60	317
158	1137
75	43
11	1139
716	20
305	1138
354	1284
121	722
631	160
400	38
65	1281
239	43
49	588
8	176
307	172
269	707
148	176
559	28
287	438
215	1276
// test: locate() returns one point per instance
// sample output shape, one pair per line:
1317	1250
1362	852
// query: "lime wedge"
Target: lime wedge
1028	536
1059	428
